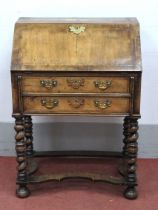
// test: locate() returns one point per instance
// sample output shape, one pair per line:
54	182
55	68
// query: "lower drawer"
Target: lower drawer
70	105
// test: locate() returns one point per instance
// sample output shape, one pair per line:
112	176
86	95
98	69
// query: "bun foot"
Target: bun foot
22	192
130	193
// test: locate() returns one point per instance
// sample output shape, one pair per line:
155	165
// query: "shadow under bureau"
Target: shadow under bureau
86	67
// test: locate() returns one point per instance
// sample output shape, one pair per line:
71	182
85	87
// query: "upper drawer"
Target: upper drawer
75	84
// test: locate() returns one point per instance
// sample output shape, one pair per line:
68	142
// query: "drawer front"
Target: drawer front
75	84
68	105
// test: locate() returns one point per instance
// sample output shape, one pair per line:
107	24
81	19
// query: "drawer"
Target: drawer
75	84
85	105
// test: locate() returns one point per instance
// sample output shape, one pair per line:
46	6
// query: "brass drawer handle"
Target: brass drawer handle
103	104
103	85
49	103
75	83
76	102
49	84
77	29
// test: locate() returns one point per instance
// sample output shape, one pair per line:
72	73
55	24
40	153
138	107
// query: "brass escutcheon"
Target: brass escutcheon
76	102
49	103
77	29
103	104
49	84
103	85
75	83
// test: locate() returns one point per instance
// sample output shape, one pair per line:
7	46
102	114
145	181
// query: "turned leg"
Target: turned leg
28	135
22	190
130	151
126	126
122	168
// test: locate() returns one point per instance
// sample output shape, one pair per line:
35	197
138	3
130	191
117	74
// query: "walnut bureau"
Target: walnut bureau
76	67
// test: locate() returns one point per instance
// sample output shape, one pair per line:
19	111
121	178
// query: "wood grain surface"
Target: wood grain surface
43	46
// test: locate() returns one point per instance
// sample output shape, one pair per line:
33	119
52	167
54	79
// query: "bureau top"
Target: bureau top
72	44
79	20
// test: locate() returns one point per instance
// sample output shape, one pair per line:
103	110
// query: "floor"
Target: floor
79	194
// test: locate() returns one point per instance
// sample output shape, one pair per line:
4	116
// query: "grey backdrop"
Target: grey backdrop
80	136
